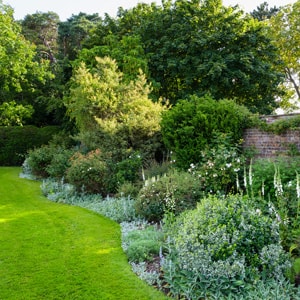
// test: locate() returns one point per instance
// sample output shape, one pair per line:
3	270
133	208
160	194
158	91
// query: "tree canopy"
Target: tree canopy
42	30
20	73
18	69
182	47
203	47
110	111
285	30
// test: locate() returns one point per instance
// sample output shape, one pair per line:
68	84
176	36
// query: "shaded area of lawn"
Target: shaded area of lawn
55	251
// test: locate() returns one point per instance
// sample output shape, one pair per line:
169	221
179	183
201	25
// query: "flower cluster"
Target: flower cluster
218	170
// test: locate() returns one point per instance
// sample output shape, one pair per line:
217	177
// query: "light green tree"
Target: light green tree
285	30
110	113
20	74
13	114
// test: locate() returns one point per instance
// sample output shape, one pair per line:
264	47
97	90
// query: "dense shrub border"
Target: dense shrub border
15	141
189	126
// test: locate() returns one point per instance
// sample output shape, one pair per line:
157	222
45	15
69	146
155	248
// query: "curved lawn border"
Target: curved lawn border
56	251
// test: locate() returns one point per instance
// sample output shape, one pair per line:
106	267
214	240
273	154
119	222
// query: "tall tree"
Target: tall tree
20	73
42	30
200	47
263	12
128	52
73	32
110	113
285	30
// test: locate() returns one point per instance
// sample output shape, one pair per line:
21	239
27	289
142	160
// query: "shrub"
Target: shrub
129	169
222	245
220	166
16	141
128	189
176	191
39	159
49	160
90	173
60	162
143	244
189	126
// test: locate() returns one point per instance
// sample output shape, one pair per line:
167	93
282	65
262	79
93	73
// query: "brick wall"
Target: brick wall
267	144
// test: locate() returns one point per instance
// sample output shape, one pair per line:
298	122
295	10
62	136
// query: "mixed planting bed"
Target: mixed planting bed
237	246
207	222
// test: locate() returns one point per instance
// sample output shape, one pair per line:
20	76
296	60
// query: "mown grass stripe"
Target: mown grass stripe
55	251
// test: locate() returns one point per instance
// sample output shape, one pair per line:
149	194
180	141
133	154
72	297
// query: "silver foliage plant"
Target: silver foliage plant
222	246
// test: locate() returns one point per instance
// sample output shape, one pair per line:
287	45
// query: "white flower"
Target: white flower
228	165
298	186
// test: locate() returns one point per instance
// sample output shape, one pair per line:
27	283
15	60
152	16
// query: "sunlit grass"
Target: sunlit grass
56	251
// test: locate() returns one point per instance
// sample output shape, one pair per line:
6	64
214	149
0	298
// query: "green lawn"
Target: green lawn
55	251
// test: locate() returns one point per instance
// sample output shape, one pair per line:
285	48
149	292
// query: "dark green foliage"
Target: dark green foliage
173	192
60	162
42	30
73	32
200	47
129	169
49	161
128	52
16	141
188	127
53	159
263	12
39	159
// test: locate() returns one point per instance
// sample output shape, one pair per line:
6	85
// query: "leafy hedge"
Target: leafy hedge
15	142
188	127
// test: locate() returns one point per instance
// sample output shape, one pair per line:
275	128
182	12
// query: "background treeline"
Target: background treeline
182	48
109	79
